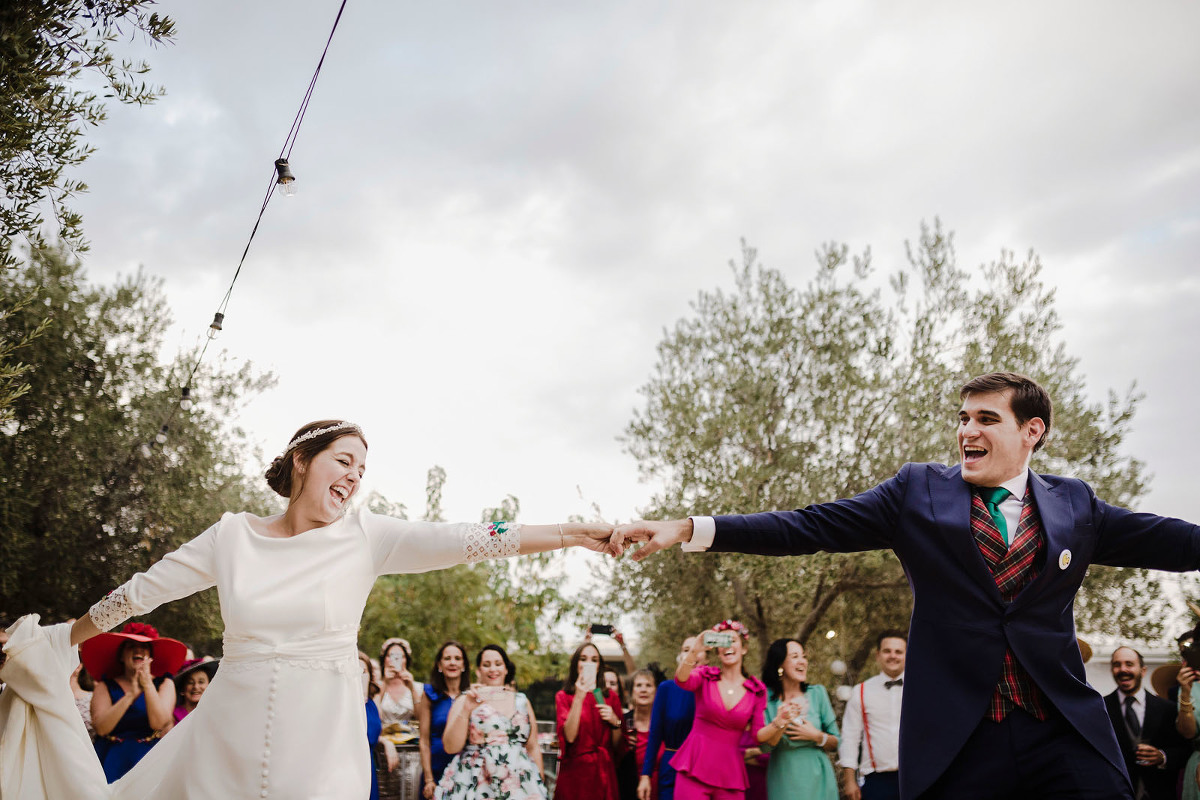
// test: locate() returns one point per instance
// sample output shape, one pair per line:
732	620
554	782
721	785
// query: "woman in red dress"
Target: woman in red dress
589	729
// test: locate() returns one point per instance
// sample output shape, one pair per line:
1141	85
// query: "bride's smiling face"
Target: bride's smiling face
332	476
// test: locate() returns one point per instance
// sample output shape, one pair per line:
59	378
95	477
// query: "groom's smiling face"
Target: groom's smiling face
992	446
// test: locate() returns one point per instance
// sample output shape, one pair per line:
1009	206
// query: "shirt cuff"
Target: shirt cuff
703	531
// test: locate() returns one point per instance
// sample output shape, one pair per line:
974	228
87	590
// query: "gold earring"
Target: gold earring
779	672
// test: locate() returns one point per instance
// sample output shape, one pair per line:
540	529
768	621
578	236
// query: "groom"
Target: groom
994	554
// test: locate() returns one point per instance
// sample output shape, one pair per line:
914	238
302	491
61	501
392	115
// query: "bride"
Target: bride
283	717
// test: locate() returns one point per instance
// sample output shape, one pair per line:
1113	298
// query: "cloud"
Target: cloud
501	206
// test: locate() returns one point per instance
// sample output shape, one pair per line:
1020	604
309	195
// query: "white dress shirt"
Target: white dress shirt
883	723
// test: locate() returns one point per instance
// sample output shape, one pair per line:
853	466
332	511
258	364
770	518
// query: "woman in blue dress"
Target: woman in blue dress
134	702
445	684
670	723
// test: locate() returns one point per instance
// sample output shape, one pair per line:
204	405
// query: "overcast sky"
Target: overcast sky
501	205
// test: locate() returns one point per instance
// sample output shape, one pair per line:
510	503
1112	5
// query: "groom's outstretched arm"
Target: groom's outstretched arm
866	521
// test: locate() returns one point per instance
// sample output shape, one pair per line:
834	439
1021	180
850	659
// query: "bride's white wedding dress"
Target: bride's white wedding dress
283	718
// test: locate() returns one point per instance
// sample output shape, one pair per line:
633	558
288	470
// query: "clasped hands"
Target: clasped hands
790	719
652	535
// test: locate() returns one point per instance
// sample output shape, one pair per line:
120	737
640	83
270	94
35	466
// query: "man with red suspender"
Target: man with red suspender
996	704
870	743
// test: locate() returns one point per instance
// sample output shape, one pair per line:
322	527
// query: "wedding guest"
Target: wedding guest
134	697
613	683
1187	722
588	721
728	701
493	730
445	685
193	679
670	723
82	686
401	694
374	724
799	768
636	729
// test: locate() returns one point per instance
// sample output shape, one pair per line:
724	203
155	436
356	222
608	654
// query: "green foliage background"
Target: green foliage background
81	507
772	396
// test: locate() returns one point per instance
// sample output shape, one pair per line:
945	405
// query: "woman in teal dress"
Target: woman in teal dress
802	725
1188	725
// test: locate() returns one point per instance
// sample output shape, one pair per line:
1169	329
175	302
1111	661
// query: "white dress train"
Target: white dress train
283	717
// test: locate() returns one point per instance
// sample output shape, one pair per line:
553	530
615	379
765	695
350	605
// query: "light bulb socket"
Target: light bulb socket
215	327
283	172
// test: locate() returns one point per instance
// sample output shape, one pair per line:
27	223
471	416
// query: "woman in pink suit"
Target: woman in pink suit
729	703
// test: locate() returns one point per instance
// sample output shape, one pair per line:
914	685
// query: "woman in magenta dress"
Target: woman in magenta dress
729	703
589	730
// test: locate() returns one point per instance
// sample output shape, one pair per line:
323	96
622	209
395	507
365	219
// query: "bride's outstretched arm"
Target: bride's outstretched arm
83	629
599	537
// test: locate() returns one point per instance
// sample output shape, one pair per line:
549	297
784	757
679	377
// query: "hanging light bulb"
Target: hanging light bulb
161	436
146	450
215	327
185	401
286	181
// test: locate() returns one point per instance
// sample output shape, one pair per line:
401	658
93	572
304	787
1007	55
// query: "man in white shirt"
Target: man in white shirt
870	743
1145	727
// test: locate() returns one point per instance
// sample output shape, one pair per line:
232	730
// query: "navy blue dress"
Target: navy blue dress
374	728
130	739
439	710
670	723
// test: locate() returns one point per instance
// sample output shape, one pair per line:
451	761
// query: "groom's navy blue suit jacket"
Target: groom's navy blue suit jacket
960	625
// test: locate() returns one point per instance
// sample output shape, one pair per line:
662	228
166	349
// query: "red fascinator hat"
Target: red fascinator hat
100	653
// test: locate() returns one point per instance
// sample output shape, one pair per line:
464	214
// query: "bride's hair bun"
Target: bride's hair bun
280	483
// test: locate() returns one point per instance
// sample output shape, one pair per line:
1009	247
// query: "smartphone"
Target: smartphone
601	630
396	659
489	694
588	670
718	639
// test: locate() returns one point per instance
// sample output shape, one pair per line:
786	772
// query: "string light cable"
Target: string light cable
282	179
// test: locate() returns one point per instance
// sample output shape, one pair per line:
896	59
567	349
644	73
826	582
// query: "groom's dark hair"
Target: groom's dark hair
1027	398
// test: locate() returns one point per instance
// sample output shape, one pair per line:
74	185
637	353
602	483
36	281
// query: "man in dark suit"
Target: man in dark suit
996	704
1145	727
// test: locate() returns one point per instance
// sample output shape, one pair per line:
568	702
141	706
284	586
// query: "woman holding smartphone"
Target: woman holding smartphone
401	693
493	731
589	730
729	702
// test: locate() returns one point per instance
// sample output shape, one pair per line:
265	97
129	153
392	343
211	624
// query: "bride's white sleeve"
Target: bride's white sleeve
183	572
400	545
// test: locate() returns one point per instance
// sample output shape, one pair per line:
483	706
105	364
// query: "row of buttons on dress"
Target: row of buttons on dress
266	761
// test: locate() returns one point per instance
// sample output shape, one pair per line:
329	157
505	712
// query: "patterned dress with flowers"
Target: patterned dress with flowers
494	764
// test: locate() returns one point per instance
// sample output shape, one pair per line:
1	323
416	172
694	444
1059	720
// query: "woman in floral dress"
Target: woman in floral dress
491	728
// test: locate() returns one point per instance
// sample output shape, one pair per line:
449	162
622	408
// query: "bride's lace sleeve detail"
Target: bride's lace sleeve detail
494	540
112	610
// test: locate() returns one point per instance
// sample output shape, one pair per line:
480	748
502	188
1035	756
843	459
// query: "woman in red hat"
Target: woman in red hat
134	695
284	716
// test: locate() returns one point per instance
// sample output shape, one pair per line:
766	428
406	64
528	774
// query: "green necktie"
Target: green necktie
992	497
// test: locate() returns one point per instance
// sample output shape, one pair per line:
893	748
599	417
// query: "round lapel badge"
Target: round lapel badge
1064	559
